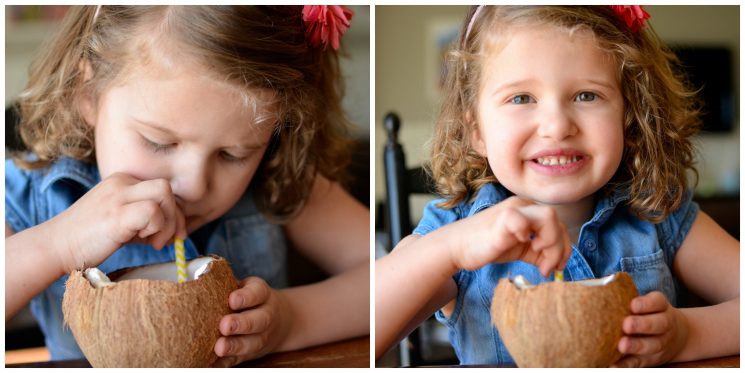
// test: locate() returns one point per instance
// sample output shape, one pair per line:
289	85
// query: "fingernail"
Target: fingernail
233	326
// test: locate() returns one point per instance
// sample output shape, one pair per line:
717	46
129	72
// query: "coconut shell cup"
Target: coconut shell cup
563	324
149	322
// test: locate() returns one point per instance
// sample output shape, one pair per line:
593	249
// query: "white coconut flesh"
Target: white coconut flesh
163	271
521	283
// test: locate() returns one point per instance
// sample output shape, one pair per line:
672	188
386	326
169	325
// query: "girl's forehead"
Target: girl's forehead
154	61
524	40
499	36
165	88
546	51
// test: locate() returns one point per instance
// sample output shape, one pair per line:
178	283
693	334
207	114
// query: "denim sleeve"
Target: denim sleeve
20	209
435	217
674	229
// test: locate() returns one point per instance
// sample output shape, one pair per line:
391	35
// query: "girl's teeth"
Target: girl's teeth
557	161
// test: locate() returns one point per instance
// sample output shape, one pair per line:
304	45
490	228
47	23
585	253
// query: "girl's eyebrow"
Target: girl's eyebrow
522	82
602	83
155	126
512	84
248	146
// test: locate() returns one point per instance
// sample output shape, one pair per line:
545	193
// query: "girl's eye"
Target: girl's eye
586	96
157	147
521	99
232	158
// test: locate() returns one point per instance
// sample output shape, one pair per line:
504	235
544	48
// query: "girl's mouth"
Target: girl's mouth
558	165
558	160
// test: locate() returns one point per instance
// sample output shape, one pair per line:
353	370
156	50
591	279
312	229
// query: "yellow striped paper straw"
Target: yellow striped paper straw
558	276
178	246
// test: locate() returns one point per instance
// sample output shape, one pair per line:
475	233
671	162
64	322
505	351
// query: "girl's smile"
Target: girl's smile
559	162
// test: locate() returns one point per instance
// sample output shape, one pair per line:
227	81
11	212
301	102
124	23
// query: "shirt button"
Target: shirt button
590	244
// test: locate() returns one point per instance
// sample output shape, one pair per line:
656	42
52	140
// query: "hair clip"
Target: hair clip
470	23
95	15
634	15
326	24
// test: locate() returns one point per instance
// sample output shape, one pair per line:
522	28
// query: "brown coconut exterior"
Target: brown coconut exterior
563	324
149	323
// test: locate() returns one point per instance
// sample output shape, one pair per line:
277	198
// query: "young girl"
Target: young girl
220	123
563	144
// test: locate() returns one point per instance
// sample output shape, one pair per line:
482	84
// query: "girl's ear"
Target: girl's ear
477	142
85	103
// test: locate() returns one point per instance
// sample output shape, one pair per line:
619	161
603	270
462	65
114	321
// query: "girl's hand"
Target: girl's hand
120	209
258	329
654	333
514	229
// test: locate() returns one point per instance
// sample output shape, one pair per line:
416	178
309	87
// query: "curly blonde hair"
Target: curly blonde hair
247	46
661	112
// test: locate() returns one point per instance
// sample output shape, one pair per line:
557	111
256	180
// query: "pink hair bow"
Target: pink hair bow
634	15
325	24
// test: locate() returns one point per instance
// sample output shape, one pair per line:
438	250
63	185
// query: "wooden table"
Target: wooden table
719	362
352	353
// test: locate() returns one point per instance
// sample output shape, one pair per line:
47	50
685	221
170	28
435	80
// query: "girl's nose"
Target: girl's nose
191	181
556	122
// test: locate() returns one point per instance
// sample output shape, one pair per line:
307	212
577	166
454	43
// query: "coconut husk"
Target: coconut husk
563	324
149	323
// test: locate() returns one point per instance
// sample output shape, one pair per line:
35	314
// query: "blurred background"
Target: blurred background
410	42
26	29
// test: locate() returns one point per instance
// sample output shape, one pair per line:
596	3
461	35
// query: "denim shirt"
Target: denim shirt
252	245
613	240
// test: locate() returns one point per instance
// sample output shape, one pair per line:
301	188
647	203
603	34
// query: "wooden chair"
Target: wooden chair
401	183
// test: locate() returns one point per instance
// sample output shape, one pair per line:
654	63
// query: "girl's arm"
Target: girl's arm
333	230
708	263
118	210
416	278
31	265
407	294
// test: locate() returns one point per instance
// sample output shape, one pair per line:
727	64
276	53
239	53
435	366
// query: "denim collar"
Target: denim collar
65	168
491	194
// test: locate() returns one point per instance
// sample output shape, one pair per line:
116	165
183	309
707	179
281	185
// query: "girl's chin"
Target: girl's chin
557	197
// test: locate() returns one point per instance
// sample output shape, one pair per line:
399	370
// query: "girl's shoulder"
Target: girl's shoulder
43	178
675	227
435	215
33	196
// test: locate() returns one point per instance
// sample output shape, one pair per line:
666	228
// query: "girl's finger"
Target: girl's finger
649	324
157	190
246	346
155	222
630	361
253	292
136	217
181	224
549	259
174	226
516	224
251	321
225	362
566	251
640	345
544	222
652	302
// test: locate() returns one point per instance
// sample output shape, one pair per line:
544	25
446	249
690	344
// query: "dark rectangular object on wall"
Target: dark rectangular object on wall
710	69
